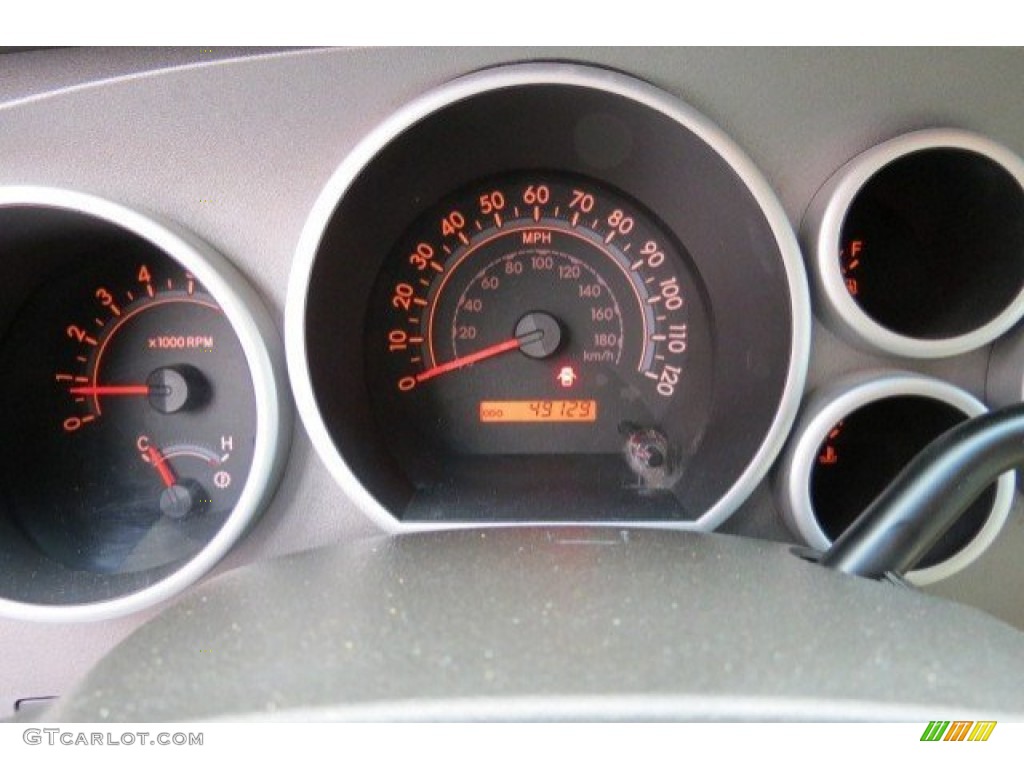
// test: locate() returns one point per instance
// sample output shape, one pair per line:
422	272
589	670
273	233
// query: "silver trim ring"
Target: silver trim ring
544	74
837	401
822	230
262	347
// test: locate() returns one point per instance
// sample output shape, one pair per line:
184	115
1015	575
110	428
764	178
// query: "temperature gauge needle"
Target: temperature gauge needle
158	462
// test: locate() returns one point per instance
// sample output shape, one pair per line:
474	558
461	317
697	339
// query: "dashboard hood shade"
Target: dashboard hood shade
556	623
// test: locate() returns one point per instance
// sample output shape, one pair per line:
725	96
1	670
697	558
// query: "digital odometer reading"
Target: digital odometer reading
526	411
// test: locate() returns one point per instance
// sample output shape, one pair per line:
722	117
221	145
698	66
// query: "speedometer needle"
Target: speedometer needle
476	357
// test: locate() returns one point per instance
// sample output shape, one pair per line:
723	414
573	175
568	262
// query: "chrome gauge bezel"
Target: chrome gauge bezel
545	74
263	352
821	232
834	402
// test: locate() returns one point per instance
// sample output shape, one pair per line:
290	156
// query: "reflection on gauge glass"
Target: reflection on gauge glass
136	416
145	420
541	314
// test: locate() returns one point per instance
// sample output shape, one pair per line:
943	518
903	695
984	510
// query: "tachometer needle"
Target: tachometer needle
476	357
160	464
128	389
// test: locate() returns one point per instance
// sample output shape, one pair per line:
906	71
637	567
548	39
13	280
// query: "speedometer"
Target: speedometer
547	293
541	300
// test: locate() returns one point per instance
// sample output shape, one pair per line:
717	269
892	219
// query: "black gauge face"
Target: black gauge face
534	316
865	451
134	412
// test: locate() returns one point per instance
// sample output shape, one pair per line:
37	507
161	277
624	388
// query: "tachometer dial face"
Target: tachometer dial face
135	412
537	315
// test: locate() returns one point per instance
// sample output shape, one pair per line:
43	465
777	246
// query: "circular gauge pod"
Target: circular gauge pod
564	297
144	410
852	439
917	245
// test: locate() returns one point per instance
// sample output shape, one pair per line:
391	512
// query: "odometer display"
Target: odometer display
516	411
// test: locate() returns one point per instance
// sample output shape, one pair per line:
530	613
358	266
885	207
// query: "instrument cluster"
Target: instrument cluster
538	293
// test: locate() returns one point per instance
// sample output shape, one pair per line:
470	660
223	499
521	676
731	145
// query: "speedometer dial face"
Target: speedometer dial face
541	315
547	293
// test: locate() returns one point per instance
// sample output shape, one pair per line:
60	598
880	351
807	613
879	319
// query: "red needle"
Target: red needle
158	461
130	389
462	362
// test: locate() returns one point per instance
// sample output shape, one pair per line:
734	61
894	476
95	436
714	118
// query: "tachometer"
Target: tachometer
145	421
150	416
